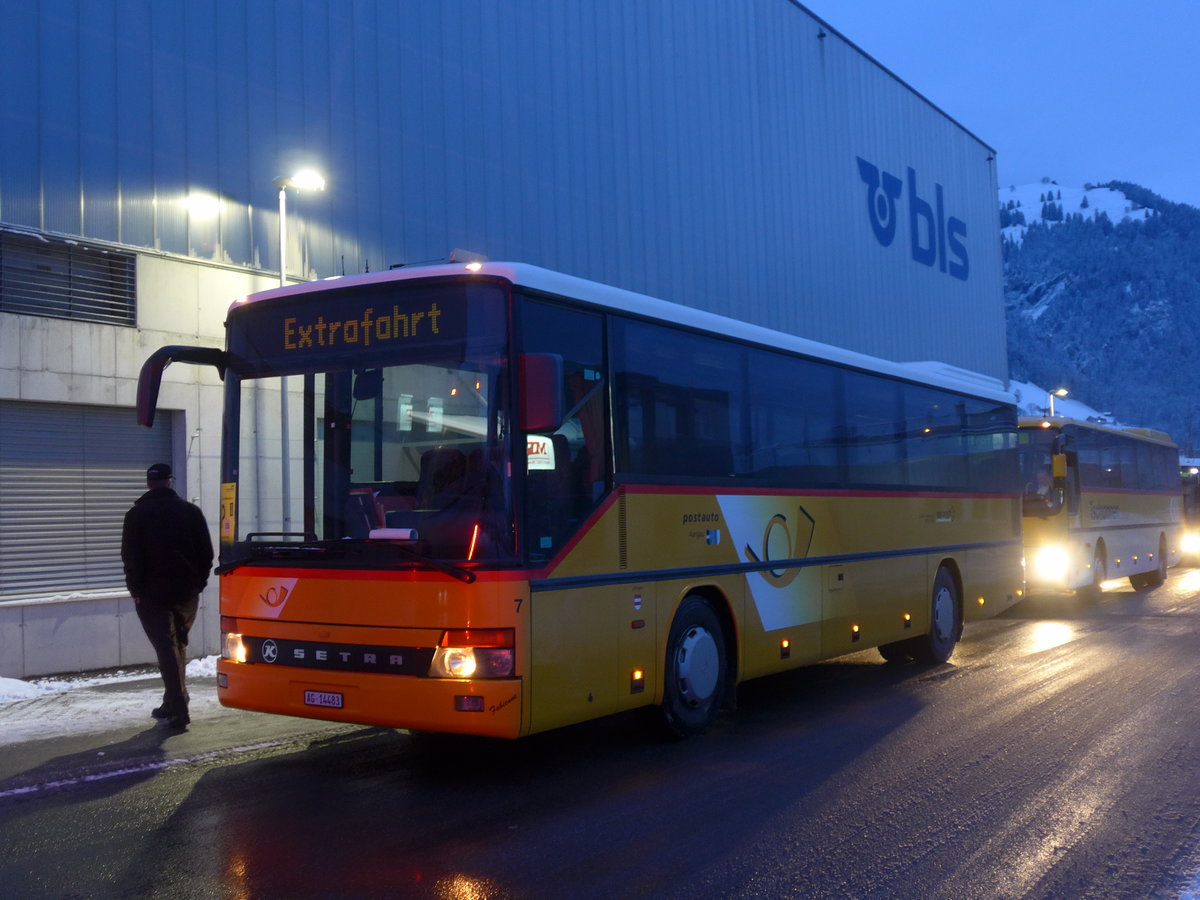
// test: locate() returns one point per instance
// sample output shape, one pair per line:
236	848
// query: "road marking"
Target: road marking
153	766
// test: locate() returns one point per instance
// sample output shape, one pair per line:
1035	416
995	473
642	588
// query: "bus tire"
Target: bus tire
897	652
694	679
945	622
1148	580
1099	576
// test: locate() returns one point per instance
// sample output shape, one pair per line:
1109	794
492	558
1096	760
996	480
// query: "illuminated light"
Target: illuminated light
1047	425
474	653
453	392
638	674
474	266
1190	542
1050	563
474	541
785	649
459	662
478	385
303	180
928	430
233	647
982	601
637	681
908	617
854	633
854	628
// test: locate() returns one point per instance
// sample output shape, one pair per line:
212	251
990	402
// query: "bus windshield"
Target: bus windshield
1041	496
396	427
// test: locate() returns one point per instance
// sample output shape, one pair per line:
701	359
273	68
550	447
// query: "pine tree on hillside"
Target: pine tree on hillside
1083	204
1110	309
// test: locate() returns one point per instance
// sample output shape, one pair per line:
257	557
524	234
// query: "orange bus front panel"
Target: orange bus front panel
391	701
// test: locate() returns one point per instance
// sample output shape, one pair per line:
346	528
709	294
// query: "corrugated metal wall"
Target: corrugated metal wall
698	150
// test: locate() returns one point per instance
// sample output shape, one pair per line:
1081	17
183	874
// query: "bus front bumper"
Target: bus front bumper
489	707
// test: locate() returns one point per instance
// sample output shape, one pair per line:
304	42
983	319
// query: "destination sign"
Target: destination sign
338	327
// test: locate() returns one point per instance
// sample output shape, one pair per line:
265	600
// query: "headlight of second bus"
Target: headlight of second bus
1050	563
1189	544
474	653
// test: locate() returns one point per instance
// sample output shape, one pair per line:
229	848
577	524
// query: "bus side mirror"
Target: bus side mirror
150	377
1058	469
541	391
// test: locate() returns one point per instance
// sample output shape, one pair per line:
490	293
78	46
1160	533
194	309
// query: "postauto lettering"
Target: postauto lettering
936	239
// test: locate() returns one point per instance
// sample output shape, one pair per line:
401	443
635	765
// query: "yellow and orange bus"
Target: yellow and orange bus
1100	502
528	500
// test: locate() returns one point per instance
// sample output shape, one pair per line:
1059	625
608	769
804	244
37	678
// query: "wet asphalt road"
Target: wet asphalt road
1056	756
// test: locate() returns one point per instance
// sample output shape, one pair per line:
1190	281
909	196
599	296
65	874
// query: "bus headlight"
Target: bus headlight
474	653
1050	563
1190	543
233	647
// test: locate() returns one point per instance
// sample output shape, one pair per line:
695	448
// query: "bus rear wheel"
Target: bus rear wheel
695	672
945	622
1147	580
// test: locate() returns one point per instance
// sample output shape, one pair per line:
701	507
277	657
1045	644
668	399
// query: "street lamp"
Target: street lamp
303	180
1059	392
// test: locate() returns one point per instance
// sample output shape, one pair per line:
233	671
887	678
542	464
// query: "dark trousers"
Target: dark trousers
167	624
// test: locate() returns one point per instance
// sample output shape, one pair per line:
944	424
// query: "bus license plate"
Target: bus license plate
323	698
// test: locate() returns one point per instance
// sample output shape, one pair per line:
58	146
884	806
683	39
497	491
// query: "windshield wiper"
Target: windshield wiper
464	575
341	548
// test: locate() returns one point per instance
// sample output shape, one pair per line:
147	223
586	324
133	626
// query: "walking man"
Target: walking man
167	554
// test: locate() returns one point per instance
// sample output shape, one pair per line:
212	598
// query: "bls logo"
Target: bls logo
936	239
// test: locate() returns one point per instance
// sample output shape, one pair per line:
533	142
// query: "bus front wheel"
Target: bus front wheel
945	622
695	670
1092	591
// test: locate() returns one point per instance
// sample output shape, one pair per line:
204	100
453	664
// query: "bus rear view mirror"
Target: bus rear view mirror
150	377
541	391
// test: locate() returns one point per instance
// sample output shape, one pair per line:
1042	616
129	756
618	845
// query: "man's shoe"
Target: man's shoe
161	712
180	719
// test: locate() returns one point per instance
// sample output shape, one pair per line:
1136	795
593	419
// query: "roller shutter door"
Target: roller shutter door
67	476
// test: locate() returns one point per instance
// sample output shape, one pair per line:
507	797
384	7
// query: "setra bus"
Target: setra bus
526	500
1100	501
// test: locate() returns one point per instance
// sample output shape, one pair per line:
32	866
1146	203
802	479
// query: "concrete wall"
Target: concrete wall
180	301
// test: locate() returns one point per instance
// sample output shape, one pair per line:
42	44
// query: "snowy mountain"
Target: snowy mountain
1102	291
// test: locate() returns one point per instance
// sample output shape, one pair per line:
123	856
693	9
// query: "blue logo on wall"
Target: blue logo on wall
936	240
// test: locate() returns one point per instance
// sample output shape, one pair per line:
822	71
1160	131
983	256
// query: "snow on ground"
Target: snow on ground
60	706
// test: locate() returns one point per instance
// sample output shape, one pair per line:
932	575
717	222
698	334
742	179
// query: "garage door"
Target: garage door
67	476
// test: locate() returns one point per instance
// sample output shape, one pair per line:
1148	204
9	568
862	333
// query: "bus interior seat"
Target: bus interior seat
442	471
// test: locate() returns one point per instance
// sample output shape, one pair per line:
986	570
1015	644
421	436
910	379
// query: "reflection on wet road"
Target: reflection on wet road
1055	756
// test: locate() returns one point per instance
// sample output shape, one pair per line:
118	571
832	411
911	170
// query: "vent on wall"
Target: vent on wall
46	276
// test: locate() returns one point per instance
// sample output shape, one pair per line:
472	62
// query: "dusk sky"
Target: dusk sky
1075	90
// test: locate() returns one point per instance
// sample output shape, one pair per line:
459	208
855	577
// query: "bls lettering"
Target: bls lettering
936	240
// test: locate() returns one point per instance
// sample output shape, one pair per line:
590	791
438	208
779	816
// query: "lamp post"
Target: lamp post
303	180
1059	392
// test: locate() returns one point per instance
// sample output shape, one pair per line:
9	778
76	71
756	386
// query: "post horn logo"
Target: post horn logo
780	545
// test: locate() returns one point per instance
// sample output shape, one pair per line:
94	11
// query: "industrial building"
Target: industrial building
744	158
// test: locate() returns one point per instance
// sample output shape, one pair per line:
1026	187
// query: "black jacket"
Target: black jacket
165	547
